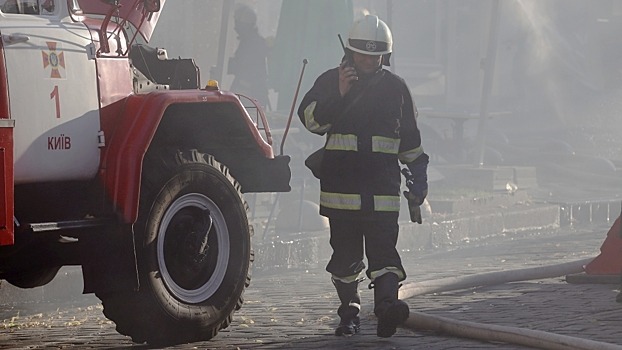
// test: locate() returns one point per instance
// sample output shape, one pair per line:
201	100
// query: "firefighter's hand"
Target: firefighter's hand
347	75
414	209
414	197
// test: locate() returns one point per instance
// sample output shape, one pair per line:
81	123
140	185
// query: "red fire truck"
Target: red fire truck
115	158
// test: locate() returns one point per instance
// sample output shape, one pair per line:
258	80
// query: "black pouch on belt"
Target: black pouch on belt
314	162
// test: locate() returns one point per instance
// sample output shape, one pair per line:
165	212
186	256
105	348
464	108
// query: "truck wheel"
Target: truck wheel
193	251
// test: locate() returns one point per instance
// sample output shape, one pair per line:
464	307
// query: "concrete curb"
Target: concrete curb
310	249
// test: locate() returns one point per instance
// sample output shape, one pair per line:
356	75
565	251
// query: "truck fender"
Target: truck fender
122	158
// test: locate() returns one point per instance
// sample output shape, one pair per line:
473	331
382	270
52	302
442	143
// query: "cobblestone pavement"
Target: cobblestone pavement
296	309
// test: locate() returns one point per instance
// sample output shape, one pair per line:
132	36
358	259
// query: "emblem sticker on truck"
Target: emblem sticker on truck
54	60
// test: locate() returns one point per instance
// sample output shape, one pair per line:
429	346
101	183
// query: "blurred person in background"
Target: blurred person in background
249	62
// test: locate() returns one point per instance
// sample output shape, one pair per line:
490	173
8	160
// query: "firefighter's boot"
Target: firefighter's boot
390	311
349	309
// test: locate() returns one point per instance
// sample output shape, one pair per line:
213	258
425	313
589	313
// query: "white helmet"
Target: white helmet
370	36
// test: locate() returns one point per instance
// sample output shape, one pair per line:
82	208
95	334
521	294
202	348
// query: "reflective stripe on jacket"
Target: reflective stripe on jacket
344	201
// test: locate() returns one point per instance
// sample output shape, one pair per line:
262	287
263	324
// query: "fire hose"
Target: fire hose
496	333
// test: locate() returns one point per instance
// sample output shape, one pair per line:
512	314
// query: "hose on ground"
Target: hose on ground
511	335
490	278
496	333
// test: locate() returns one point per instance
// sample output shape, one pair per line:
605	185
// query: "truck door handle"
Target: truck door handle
16	38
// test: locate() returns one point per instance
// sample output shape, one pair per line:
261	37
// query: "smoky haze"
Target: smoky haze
554	70
533	86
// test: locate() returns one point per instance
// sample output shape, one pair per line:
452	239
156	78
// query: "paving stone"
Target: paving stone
295	308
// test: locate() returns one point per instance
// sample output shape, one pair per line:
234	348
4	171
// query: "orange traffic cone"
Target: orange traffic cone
609	261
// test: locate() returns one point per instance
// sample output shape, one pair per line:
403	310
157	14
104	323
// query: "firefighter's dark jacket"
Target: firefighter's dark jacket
360	175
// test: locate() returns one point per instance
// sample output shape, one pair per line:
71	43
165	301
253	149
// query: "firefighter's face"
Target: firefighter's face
366	64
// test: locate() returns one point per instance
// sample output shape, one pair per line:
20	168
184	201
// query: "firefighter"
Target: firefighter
369	119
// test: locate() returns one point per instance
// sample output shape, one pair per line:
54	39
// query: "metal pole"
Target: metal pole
489	73
291	112
390	24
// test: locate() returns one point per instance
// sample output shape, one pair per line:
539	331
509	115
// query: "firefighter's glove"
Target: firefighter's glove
417	184
417	189
417	179
415	197
414	208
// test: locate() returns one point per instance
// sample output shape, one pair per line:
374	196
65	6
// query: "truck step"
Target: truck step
68	225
